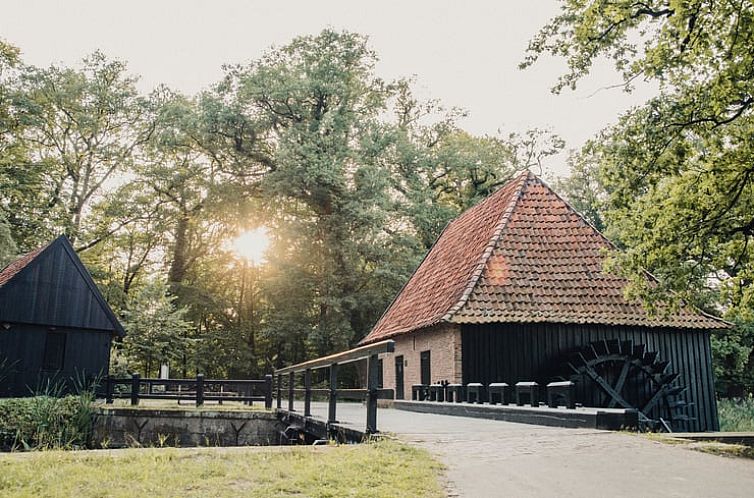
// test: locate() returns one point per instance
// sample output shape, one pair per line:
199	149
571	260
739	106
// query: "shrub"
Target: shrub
736	414
45	422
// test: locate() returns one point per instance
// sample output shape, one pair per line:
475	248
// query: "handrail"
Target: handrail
371	394
201	389
341	358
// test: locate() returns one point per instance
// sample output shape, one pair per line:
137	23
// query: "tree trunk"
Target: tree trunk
177	271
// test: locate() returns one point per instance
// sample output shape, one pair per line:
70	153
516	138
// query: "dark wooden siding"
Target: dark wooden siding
522	352
53	291
87	353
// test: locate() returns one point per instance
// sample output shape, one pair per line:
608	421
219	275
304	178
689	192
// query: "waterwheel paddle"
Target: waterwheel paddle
629	376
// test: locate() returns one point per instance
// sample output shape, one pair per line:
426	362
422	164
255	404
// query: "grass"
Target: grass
711	447
716	448
46	422
736	415
378	469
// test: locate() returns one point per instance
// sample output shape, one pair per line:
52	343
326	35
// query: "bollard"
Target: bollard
267	392
199	389
135	386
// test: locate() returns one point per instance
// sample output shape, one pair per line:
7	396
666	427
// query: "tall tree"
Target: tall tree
321	101
81	128
157	330
12	153
678	169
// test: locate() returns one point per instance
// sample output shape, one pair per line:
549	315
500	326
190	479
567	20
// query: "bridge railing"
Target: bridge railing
198	390
371	394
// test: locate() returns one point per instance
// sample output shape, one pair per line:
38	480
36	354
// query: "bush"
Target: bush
45	422
736	414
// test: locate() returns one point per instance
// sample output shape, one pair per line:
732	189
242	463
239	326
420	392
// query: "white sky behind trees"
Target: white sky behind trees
463	53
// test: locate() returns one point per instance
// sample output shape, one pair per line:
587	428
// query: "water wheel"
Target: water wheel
628	376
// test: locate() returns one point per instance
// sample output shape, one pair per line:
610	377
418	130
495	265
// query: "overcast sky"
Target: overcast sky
463	53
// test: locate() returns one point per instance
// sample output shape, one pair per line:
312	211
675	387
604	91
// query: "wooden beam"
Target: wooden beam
342	358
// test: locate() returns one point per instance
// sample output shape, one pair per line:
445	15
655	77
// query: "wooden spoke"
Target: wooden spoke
621	381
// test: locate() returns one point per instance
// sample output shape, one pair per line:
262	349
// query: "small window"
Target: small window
424	367
54	351
380	375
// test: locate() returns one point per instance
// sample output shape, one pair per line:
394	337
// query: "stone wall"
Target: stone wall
444	343
120	427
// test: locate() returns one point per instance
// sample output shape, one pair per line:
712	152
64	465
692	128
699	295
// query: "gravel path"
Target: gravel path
487	458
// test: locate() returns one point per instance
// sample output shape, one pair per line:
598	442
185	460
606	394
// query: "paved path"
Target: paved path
487	458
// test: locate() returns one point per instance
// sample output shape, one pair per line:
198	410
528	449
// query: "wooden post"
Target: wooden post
267	391
308	392
199	389
135	384
280	391
372	387
333	394
291	382
109	390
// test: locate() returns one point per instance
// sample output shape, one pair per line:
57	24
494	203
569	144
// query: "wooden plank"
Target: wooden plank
343	358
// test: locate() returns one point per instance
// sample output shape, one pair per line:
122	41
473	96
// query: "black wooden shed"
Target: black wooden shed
55	325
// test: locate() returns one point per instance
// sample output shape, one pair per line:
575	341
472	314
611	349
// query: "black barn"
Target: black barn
514	290
54	323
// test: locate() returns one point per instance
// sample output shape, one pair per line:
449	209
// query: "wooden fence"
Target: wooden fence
198	390
371	394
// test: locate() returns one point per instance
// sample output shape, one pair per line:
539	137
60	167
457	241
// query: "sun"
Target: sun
252	245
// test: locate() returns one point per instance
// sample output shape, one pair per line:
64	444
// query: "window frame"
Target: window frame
56	364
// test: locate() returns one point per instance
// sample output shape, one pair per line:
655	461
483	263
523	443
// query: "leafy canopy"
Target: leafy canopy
676	172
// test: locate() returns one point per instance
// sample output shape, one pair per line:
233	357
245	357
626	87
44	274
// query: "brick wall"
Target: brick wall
444	343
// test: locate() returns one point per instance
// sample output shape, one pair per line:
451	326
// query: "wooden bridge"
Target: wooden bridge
349	421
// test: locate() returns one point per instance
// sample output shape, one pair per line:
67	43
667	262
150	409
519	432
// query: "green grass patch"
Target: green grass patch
378	469
711	447
722	449
44	422
736	415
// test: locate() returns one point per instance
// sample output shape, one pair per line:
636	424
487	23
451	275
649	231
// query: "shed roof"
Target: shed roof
522	255
51	286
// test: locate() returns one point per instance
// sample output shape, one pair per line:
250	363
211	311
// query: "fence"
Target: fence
199	390
371	394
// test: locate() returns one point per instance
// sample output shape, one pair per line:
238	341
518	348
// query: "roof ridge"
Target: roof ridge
91	284
490	247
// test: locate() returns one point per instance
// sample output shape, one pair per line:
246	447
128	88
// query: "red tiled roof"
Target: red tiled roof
522	255
12	269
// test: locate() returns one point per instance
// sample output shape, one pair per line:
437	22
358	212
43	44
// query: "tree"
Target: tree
327	192
583	188
677	170
157	332
11	151
80	128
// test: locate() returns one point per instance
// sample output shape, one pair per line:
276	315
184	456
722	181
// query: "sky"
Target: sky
463	53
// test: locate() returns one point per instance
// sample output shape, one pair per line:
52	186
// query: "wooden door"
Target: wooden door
399	377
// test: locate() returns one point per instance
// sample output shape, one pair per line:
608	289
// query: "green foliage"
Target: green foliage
156	331
583	189
353	176
79	128
46	421
8	248
736	415
676	172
